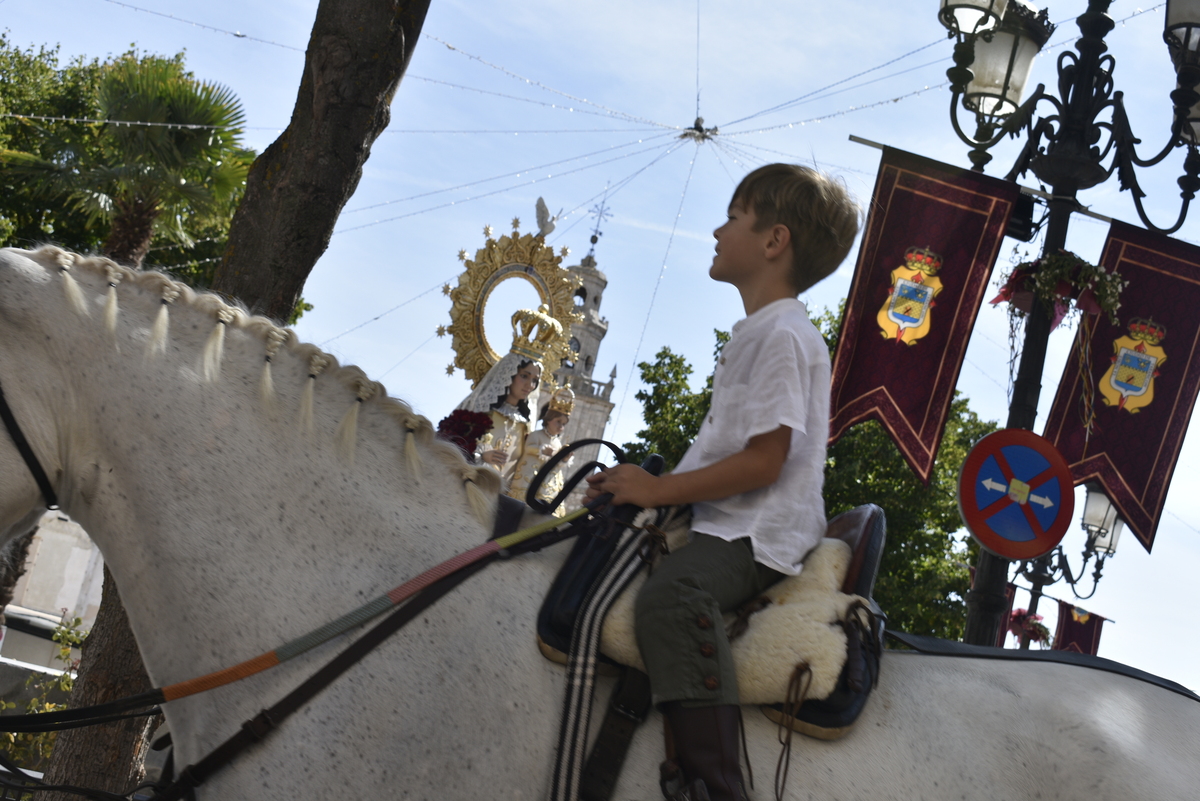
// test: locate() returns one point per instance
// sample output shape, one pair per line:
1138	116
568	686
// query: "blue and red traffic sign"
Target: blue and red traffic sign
1015	494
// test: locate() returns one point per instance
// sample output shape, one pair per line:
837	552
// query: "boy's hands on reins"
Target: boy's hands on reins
757	466
628	483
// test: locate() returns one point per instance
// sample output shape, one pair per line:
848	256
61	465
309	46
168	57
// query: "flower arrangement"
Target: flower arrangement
1023	623
464	429
1058	279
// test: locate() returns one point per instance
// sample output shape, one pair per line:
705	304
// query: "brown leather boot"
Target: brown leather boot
706	748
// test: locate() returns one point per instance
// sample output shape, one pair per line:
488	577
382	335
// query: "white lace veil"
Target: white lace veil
494	386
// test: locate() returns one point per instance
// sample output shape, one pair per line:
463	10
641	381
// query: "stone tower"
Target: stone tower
592	404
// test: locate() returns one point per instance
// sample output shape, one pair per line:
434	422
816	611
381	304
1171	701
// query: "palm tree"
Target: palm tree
177	165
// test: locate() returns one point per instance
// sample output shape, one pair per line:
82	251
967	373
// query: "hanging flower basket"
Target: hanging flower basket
1064	283
1022	623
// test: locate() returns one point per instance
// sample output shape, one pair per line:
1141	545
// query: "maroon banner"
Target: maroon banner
931	239
1145	374
1078	630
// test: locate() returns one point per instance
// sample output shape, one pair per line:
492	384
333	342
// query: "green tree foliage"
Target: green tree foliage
923	577
176	173
32	84
671	411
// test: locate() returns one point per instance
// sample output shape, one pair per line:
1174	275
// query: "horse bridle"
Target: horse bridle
31	460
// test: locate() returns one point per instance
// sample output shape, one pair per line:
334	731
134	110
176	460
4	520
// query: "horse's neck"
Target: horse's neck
225	525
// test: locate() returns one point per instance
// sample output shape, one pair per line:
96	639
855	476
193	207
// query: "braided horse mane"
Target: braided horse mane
480	484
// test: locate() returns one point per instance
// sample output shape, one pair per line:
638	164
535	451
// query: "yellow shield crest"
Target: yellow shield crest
1129	382
905	316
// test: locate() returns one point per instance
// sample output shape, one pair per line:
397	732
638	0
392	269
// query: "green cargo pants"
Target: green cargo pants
678	619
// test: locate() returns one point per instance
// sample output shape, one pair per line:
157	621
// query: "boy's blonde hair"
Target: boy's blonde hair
818	210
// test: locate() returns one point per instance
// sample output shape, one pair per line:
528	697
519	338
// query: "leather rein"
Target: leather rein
420	593
31	460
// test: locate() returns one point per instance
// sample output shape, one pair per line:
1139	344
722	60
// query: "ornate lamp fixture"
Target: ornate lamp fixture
971	17
1103	525
1068	147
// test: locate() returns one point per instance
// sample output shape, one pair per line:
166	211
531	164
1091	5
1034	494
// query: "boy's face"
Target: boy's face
739	248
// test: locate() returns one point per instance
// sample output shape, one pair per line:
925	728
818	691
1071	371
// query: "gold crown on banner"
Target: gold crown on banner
563	400
922	259
1147	331
528	344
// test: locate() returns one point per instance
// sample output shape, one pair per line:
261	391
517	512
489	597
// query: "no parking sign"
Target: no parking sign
1015	494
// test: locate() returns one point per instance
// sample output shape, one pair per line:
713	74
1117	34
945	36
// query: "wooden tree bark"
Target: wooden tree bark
12	567
109	757
357	53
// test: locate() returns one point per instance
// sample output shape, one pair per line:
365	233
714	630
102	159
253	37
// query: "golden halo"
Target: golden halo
524	256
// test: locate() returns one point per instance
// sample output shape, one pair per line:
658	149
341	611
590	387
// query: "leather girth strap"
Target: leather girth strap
628	707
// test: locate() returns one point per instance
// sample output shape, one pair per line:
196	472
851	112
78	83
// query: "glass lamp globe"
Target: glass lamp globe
1002	65
1101	521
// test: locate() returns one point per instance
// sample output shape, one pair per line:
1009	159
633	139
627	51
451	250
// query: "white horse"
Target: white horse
239	510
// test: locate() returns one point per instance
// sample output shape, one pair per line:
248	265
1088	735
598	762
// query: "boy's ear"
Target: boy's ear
779	240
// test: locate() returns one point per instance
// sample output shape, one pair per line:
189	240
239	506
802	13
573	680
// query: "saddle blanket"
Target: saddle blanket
800	625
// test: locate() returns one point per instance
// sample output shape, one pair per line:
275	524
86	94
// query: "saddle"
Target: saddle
844	635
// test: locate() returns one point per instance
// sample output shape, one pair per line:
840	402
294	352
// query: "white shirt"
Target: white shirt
773	372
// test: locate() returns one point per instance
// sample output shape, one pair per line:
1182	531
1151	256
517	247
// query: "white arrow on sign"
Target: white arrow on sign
992	485
1045	503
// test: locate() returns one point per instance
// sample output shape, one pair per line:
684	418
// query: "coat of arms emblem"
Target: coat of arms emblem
905	315
1129	383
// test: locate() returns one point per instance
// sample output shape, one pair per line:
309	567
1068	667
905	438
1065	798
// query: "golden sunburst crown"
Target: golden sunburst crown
1147	331
538	345
922	259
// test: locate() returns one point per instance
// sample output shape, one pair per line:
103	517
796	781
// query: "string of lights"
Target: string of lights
542	86
237	34
657	283
841	113
496	191
795	101
511	174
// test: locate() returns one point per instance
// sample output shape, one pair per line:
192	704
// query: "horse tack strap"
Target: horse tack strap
31	460
264	722
628	707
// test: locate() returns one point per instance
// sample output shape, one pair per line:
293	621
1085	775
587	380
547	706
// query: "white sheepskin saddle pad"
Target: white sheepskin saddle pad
801	625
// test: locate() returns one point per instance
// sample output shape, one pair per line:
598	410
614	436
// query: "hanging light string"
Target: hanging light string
658	282
788	104
614	189
381	315
507	174
499	191
542	86
236	34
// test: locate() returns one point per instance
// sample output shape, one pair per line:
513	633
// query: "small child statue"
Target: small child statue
541	445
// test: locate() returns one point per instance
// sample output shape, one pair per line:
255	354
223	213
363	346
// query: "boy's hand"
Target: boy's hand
628	483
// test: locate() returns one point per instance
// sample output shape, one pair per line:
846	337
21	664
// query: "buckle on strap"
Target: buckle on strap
260	725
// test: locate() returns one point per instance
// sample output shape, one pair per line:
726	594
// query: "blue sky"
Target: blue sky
559	100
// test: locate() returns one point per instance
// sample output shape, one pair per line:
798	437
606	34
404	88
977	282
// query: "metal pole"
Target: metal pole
986	603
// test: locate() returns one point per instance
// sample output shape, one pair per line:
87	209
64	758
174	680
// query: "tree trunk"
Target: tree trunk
12	567
132	231
296	189
357	53
109	757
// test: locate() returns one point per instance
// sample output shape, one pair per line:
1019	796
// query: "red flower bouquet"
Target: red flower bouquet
464	429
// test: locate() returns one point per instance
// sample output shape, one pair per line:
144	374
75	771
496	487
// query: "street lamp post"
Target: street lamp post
997	41
1103	526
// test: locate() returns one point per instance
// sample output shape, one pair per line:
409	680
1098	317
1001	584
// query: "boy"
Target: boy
754	473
